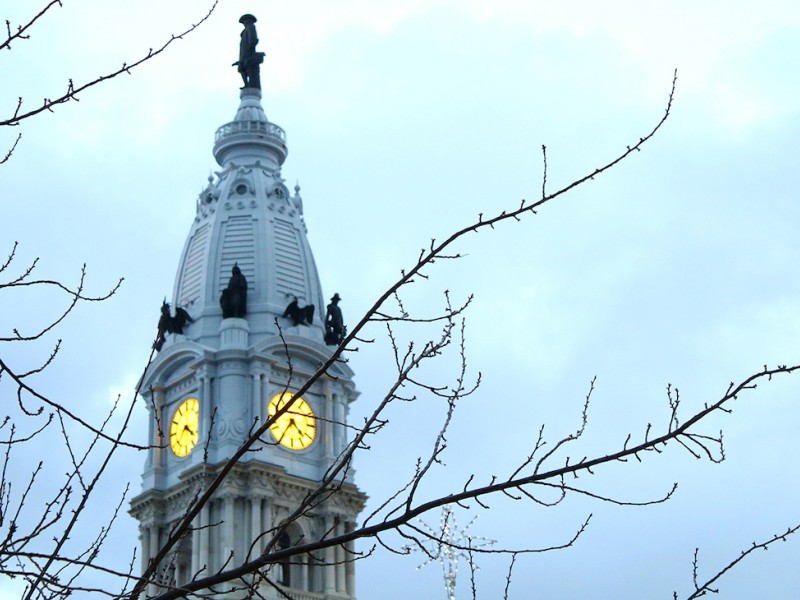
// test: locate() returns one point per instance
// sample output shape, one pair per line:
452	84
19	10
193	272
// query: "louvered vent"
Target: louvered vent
289	275
192	273
238	247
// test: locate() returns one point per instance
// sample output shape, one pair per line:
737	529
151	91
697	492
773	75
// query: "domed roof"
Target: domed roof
246	216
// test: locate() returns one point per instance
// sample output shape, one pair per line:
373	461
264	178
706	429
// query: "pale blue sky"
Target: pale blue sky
405	120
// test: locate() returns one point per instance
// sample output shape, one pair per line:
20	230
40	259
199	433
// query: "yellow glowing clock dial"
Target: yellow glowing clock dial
297	427
184	429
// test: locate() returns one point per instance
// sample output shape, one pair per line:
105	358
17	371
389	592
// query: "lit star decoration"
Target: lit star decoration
448	544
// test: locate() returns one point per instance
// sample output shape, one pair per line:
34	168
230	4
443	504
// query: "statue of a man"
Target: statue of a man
249	61
335	331
234	297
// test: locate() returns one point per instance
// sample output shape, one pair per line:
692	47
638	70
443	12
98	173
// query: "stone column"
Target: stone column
196	524
151	431
303	569
153	540
339	417
329	578
256	529
266	525
350	566
159	421
256	409
341	557
329	426
228	541
204	543
145	537
205	407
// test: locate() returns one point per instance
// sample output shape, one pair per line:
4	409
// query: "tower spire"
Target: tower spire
250	137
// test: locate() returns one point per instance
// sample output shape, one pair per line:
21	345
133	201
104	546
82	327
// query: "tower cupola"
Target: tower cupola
250	136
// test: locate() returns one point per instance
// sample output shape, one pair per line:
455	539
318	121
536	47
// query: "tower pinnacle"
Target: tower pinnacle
250	138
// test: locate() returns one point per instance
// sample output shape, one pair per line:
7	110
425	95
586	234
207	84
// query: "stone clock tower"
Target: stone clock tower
250	327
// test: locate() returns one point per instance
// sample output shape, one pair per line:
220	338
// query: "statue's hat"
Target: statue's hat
248	18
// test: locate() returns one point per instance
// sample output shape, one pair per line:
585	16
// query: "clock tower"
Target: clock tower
246	327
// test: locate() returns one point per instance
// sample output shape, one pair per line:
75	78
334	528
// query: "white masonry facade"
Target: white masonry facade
209	386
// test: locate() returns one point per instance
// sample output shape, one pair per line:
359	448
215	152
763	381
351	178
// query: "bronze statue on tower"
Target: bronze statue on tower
249	62
233	300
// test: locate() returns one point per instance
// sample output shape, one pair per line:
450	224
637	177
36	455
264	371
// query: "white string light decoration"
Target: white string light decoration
448	544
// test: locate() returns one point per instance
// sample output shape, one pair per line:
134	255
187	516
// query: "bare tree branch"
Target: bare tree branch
706	588
73	89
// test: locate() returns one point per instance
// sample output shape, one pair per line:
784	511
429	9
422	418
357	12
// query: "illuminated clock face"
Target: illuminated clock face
184	428
295	428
